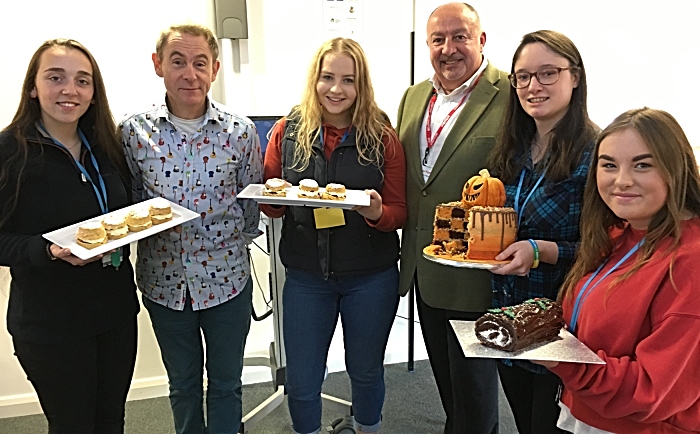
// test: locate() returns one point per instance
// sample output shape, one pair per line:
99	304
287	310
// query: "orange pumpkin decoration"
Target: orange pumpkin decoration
483	190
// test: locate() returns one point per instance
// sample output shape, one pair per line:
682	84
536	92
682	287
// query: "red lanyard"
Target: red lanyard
430	139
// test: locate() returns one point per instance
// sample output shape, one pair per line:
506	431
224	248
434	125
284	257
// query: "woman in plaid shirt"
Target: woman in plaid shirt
542	156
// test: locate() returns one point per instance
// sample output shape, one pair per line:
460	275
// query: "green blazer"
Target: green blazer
464	153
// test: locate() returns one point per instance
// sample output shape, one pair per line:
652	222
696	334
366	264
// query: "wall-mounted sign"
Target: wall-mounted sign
343	18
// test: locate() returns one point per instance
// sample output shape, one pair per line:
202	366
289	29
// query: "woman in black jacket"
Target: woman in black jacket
73	321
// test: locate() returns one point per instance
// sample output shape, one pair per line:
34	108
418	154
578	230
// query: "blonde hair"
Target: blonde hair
369	122
188	29
675	159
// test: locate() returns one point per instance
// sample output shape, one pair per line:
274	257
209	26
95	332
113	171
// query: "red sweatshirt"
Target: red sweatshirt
648	333
394	190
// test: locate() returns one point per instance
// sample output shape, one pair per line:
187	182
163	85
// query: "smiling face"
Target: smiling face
336	89
64	87
456	42
547	104
629	179
188	68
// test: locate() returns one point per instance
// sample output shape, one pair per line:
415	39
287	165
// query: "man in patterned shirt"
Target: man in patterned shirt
196	280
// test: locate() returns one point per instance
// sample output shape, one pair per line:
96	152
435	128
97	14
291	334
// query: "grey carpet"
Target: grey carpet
412	406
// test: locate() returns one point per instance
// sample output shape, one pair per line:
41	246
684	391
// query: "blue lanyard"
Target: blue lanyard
585	291
101	196
520	208
345	136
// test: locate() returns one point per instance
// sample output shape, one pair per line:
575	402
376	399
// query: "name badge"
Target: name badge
328	217
114	259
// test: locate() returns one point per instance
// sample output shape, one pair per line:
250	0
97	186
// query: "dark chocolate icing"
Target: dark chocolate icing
516	327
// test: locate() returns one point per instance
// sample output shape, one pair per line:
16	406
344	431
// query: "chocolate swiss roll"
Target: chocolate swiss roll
513	328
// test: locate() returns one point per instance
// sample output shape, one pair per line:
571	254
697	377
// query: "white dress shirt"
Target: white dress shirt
444	103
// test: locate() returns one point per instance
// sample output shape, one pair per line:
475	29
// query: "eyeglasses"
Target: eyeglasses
545	76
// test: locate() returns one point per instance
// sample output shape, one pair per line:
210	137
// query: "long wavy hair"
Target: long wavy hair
97	122
570	135
675	159
370	123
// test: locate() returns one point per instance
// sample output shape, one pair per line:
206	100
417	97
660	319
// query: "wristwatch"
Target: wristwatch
48	252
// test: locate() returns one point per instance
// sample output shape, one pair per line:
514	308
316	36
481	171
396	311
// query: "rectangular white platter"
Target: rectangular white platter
352	198
65	237
565	348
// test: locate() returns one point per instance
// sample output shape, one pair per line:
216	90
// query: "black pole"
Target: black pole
411	291
413	51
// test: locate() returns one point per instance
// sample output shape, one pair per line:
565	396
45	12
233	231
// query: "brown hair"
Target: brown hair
570	135
189	29
674	156
97	122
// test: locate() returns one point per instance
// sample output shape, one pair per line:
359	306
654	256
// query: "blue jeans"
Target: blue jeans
179	334
367	305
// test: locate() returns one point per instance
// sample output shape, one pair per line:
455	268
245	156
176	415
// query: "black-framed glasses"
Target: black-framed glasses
546	76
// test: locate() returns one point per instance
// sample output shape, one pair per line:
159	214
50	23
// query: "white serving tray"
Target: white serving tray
65	237
464	263
352	198
565	348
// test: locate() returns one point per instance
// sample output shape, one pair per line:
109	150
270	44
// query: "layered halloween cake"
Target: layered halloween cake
516	327
476	228
491	230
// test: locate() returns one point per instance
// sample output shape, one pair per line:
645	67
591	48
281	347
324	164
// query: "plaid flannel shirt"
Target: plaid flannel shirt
552	213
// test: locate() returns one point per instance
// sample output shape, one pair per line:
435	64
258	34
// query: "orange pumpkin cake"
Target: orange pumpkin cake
491	230
477	227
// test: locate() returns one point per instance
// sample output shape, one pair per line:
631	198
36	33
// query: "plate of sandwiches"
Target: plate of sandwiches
103	233
308	193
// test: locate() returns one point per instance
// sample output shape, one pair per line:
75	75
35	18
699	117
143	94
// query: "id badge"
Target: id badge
328	217
114	259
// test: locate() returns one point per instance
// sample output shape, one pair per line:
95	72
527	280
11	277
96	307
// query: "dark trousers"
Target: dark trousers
185	356
532	398
468	387
82	385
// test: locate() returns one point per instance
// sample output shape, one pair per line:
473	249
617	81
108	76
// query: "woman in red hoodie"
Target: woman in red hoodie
632	293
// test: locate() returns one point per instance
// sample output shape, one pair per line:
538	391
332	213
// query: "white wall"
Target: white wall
634	56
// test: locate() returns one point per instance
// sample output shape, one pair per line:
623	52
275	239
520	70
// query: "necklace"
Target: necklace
74	145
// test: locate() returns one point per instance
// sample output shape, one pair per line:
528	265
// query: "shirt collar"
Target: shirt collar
212	112
464	86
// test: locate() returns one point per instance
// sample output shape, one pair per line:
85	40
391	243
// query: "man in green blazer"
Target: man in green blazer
447	126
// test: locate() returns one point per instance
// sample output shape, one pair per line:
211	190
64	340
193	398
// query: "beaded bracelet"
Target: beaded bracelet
536	262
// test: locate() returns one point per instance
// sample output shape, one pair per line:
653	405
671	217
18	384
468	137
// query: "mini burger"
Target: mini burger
91	235
308	189
160	211
138	220
334	191
275	187
115	225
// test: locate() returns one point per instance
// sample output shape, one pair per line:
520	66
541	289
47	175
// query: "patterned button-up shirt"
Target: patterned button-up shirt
203	172
552	213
